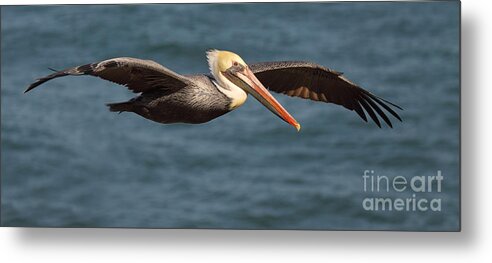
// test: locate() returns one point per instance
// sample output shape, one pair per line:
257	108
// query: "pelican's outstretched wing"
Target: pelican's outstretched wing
311	81
136	74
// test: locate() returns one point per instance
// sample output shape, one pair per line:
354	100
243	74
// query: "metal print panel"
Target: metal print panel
211	99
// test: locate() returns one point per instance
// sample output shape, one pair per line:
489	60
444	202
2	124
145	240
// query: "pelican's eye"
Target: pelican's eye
235	63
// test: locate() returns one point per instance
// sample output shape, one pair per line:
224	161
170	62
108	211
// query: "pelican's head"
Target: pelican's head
230	69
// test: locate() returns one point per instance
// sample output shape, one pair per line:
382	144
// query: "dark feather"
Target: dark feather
380	112
311	81
136	74
369	110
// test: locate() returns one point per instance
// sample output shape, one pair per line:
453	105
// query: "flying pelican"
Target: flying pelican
168	97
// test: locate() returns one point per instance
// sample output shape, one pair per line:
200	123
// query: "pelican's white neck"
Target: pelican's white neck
236	94
213	61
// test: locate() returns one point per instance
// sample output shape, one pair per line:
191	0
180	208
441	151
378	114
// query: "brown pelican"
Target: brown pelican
168	97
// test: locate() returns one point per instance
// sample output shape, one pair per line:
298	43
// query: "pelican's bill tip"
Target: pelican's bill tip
298	127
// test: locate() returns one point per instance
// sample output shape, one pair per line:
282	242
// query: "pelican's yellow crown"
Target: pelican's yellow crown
221	60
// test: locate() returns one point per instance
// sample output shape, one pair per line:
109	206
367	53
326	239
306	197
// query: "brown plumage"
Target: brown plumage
137	75
311	81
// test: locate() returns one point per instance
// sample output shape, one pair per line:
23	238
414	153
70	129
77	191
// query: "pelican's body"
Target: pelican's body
198	102
168	97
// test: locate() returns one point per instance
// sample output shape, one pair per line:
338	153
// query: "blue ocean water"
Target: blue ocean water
66	161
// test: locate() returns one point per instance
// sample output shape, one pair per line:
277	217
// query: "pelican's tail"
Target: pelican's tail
121	106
